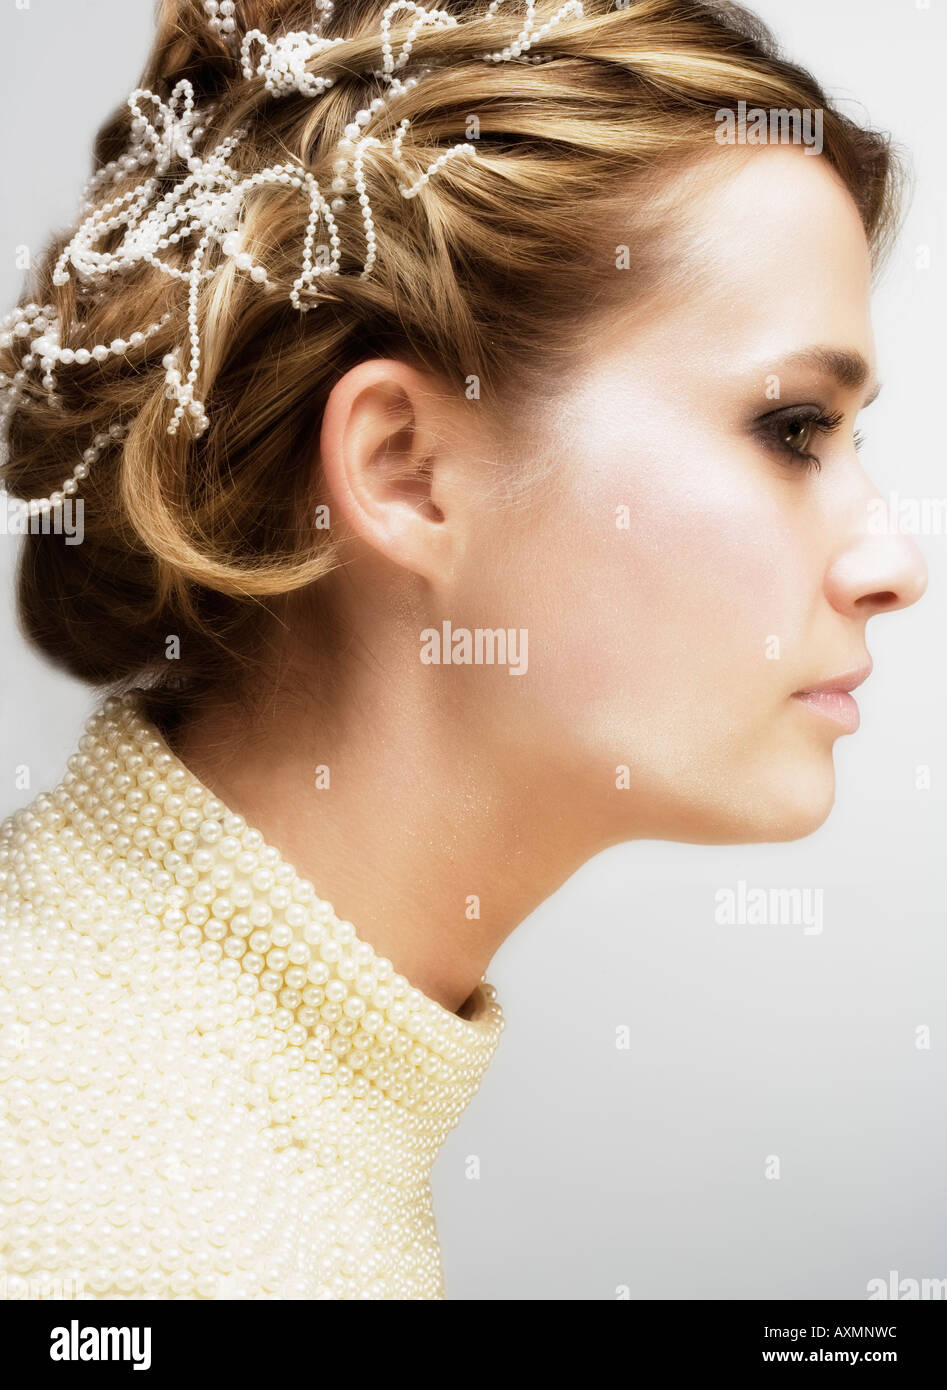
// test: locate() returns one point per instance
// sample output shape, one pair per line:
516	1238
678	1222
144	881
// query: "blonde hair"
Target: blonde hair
490	273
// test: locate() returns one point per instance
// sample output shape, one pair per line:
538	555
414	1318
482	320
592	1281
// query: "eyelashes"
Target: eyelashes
789	432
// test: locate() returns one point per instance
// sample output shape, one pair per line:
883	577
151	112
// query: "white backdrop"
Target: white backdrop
644	1168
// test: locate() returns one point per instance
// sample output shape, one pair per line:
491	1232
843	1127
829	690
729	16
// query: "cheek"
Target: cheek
657	591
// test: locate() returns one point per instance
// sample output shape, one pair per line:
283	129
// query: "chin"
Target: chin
790	809
799	823
793	810
753	807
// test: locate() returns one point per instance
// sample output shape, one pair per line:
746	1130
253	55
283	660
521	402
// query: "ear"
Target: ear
384	448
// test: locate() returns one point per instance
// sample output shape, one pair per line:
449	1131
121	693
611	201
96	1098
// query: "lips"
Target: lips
832	700
842	684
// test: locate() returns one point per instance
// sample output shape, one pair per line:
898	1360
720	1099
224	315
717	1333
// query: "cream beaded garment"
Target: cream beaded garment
209	1086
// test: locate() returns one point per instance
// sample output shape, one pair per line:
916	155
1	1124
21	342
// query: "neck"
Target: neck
434	849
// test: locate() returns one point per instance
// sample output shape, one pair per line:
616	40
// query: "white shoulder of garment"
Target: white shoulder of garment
209	1086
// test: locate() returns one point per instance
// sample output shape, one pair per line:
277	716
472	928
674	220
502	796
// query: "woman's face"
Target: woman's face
685	573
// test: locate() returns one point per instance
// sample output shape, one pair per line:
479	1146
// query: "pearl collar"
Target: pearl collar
213	1088
176	858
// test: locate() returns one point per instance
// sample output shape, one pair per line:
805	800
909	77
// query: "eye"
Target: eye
790	432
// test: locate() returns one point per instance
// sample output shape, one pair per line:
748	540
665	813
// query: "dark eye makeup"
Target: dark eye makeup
790	431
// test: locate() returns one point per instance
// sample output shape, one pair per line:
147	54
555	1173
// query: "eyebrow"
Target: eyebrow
848	368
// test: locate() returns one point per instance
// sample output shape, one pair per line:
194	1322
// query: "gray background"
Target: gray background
643	1169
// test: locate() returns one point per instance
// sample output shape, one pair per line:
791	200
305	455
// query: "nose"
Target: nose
876	574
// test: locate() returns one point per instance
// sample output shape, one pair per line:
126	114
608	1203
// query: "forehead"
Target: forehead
769	255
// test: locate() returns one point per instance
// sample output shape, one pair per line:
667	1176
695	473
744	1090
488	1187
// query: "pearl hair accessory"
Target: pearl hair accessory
205	206
220	18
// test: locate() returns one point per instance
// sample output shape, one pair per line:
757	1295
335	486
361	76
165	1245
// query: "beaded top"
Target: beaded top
209	1086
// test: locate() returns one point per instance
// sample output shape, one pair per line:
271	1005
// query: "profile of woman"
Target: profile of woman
460	417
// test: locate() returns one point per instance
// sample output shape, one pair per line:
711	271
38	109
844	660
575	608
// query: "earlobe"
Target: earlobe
381	438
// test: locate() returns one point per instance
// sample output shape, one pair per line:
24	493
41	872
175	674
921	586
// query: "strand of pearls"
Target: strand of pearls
220	19
318	207
413	189
40	319
172	139
424	17
209	202
283	64
529	35
46	349
18	323
107	439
